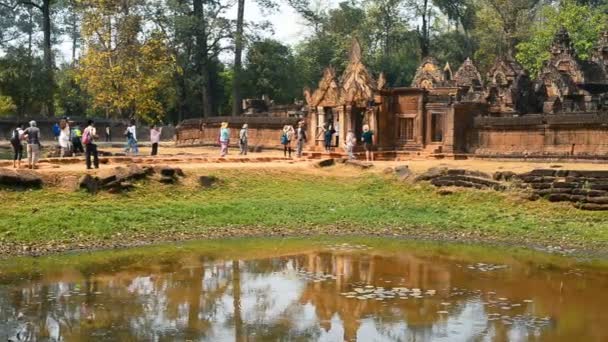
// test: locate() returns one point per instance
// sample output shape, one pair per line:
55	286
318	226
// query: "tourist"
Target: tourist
108	133
77	140
16	138
329	135
32	136
56	131
286	138
131	134
301	137
244	139
224	139
368	143
155	133
350	143
88	138
65	142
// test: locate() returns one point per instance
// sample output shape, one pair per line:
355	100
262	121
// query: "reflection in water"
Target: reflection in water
304	297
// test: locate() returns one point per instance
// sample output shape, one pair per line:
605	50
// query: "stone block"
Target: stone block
403	171
570	185
543	172
208	181
22	179
597	200
559	198
593	206
325	162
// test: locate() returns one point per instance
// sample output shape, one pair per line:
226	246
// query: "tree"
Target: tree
20	73
124	68
44	6
583	23
7	107
271	70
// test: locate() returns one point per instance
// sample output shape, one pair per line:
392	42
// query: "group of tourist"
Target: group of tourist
72	140
350	141
288	135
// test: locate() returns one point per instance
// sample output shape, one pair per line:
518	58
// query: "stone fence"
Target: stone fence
263	131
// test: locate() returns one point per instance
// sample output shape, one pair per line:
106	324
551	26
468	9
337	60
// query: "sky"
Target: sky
289	26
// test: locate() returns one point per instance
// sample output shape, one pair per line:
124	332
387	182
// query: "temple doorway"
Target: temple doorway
357	116
436	127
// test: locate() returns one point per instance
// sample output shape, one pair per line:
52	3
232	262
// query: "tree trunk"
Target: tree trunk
238	52
424	35
202	58
48	57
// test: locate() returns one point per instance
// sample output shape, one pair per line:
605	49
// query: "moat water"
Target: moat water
351	289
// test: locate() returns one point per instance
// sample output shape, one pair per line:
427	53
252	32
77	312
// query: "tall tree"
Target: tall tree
238	52
44	7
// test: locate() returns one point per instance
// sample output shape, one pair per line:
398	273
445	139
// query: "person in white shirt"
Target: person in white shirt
131	134
244	139
88	139
65	137
155	133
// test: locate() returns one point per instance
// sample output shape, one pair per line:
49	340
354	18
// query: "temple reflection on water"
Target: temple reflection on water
196	298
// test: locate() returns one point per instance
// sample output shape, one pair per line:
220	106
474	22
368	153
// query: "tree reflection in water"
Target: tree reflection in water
216	299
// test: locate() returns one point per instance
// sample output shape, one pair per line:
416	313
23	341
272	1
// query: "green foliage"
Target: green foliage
20	79
584	24
7	107
270	69
251	198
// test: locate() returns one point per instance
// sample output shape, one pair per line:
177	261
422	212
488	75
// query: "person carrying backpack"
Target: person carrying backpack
286	137
16	137
131	135
88	139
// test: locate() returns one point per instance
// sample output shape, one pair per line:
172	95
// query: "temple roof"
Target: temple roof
468	75
358	85
428	74
327	93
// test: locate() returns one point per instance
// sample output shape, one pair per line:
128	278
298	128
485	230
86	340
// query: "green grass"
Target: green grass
298	201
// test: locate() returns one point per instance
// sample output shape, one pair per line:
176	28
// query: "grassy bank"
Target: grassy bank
254	202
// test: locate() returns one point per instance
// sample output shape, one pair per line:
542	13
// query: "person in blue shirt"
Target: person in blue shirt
224	139
56	131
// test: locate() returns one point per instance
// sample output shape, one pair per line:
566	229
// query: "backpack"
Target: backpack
15	137
86	137
284	139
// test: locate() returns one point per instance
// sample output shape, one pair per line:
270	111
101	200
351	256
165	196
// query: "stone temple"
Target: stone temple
561	113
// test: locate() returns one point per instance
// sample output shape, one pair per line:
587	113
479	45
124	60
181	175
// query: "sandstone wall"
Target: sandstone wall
579	135
263	131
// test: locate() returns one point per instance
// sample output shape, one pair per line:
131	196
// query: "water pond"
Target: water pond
350	289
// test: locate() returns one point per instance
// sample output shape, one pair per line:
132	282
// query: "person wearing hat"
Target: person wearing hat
244	139
301	139
368	143
32	136
224	139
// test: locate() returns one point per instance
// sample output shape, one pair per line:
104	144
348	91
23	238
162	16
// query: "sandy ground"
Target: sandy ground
190	158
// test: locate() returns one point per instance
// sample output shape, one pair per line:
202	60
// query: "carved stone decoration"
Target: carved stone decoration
328	92
579	85
447	72
429	75
509	89
358	87
381	81
468	76
600	53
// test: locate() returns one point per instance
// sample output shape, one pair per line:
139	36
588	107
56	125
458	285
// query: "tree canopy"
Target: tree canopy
175	59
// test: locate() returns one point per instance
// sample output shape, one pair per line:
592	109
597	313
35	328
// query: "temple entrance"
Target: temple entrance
436	127
357	116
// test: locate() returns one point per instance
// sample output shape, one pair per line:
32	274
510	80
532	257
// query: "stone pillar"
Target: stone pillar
312	128
448	130
320	123
343	126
